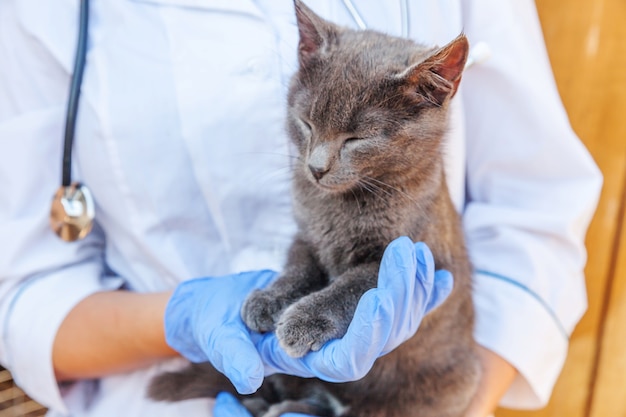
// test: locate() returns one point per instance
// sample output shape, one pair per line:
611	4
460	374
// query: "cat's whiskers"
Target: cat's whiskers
375	190
272	175
357	200
285	155
399	191
373	187
294	161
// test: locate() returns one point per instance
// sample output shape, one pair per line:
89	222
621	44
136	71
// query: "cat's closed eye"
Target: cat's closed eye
353	142
306	130
305	126
353	139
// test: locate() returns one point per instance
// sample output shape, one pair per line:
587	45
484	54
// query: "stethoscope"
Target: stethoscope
73	208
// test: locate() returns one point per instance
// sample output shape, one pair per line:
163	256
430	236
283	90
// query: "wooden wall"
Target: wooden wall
586	41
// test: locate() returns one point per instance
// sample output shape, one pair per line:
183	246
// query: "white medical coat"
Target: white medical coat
180	138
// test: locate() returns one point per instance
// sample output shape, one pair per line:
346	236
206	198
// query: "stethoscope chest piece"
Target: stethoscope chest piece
72	212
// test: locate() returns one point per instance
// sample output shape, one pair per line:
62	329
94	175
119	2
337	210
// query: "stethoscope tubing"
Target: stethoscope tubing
360	22
74	95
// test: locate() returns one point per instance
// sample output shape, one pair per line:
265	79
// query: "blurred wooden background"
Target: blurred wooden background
13	402
586	42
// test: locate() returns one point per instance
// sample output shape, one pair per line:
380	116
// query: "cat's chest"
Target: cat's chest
348	231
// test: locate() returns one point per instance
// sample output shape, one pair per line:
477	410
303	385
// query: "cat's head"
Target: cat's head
366	106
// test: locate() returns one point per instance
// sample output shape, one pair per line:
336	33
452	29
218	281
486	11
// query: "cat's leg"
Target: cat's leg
312	399
256	406
298	407
324	315
301	276
197	380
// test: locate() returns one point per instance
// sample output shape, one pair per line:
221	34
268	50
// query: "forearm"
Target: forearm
497	377
110	332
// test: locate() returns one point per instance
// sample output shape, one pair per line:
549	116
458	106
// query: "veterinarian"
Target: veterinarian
179	142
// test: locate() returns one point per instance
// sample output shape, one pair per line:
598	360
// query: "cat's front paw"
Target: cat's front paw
300	330
260	311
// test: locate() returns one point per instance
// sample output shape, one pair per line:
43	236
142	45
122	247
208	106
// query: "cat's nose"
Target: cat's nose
318	172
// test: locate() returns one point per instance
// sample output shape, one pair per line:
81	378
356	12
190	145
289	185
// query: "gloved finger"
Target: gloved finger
233	354
276	360
227	405
444	282
351	357
340	360
425	271
408	271
398	261
397	275
438	285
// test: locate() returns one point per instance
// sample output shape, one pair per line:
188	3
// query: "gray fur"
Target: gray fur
367	113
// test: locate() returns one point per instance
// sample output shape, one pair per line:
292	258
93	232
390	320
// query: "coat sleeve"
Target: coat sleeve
532	189
41	277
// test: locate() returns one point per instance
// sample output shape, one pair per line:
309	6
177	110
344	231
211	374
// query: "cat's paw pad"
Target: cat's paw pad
260	311
300	331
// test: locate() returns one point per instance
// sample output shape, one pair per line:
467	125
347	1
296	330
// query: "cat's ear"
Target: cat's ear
316	33
437	78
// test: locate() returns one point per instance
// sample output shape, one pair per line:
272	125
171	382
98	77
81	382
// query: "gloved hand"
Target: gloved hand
227	406
386	316
202	323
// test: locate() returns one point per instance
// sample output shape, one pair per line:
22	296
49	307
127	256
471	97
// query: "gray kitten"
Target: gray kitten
367	113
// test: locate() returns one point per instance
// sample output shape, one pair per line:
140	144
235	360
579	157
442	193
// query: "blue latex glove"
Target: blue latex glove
408	288
227	406
386	316
202	323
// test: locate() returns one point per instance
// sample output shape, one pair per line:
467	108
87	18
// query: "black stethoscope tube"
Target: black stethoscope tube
72	104
73	210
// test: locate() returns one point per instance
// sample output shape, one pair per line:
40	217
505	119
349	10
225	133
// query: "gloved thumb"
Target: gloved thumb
442	288
227	405
233	354
438	284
